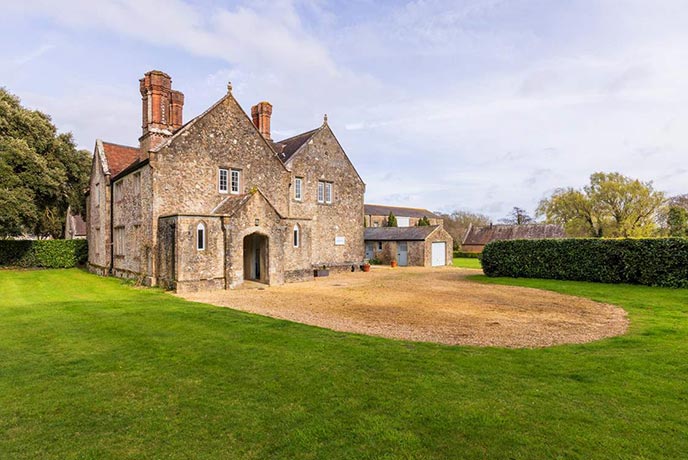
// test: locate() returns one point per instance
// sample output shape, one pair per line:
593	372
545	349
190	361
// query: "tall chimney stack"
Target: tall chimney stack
161	110
261	113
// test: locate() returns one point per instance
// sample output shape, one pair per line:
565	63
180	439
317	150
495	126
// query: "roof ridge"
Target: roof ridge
297	135
391	206
120	145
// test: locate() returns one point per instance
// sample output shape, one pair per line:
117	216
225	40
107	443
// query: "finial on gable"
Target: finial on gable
325	119
229	87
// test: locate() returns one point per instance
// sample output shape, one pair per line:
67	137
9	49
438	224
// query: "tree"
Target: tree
457	223
677	221
612	205
41	172
518	216
423	222
391	220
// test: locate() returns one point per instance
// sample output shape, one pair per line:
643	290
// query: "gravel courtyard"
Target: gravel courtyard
430	305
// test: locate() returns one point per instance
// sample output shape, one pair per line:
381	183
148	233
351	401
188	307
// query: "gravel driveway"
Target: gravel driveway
430	305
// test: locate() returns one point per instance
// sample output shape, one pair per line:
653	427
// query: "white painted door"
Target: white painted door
439	254
402	253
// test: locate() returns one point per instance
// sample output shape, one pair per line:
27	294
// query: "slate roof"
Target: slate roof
382	210
119	157
286	148
398	233
231	204
483	235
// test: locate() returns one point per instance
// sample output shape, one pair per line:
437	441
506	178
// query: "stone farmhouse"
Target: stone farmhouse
476	238
376	215
214	202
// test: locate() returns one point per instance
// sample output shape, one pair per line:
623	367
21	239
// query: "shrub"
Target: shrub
466	255
43	253
652	262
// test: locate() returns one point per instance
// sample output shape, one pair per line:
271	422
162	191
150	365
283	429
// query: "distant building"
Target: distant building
376	215
427	246
477	237
75	227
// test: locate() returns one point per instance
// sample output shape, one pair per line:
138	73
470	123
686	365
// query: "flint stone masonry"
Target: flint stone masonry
154	201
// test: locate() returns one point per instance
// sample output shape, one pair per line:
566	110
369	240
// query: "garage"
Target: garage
439	253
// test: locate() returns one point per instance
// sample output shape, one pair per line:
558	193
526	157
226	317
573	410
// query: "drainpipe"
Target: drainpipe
112	229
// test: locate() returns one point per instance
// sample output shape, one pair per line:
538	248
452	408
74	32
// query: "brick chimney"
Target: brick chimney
161	110
261	114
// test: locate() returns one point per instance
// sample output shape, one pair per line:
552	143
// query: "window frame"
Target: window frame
201	236
379	245
220	188
325	192
298	188
329	193
296	236
232	172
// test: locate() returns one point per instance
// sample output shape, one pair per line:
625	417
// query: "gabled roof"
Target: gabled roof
119	157
399	233
382	210
233	203
483	235
77	224
286	148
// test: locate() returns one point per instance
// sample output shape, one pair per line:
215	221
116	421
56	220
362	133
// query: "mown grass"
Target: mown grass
465	262
92	368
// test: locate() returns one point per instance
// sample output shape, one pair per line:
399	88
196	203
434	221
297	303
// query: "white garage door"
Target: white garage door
439	254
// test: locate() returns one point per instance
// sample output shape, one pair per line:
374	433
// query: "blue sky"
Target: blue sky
479	105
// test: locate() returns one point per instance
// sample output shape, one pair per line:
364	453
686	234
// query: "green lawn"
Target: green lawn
93	369
466	262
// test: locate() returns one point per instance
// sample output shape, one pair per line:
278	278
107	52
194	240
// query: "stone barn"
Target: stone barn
428	246
476	238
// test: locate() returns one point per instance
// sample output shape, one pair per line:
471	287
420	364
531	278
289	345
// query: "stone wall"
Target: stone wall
322	159
98	217
439	235
200	269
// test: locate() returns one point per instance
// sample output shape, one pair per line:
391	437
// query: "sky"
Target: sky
476	105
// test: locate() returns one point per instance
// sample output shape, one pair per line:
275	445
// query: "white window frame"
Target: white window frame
200	237
296	236
328	192
234	185
298	188
321	191
223	180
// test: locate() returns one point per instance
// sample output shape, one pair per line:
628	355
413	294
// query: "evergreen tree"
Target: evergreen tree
391	220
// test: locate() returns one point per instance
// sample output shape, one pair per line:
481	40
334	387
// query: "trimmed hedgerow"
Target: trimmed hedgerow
43	253
652	262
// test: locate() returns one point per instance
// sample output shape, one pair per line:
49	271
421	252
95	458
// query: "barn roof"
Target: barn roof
483	235
382	210
399	233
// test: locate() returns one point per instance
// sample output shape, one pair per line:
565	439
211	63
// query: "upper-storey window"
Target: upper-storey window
137	183
298	182
235	179
223	186
325	192
118	190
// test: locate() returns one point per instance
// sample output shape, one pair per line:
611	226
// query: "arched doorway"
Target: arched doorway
256	258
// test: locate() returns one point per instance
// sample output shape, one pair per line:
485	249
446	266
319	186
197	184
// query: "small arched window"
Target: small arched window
297	236
200	237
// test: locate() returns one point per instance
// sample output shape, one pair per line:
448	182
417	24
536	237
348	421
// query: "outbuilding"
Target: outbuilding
426	246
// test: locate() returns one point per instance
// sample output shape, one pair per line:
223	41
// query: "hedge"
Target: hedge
652	262
466	255
43	253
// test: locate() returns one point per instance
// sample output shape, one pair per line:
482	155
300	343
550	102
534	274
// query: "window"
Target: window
297	236
325	192
118	191
200	237
379	245
137	183
297	188
119	241
222	186
235	181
